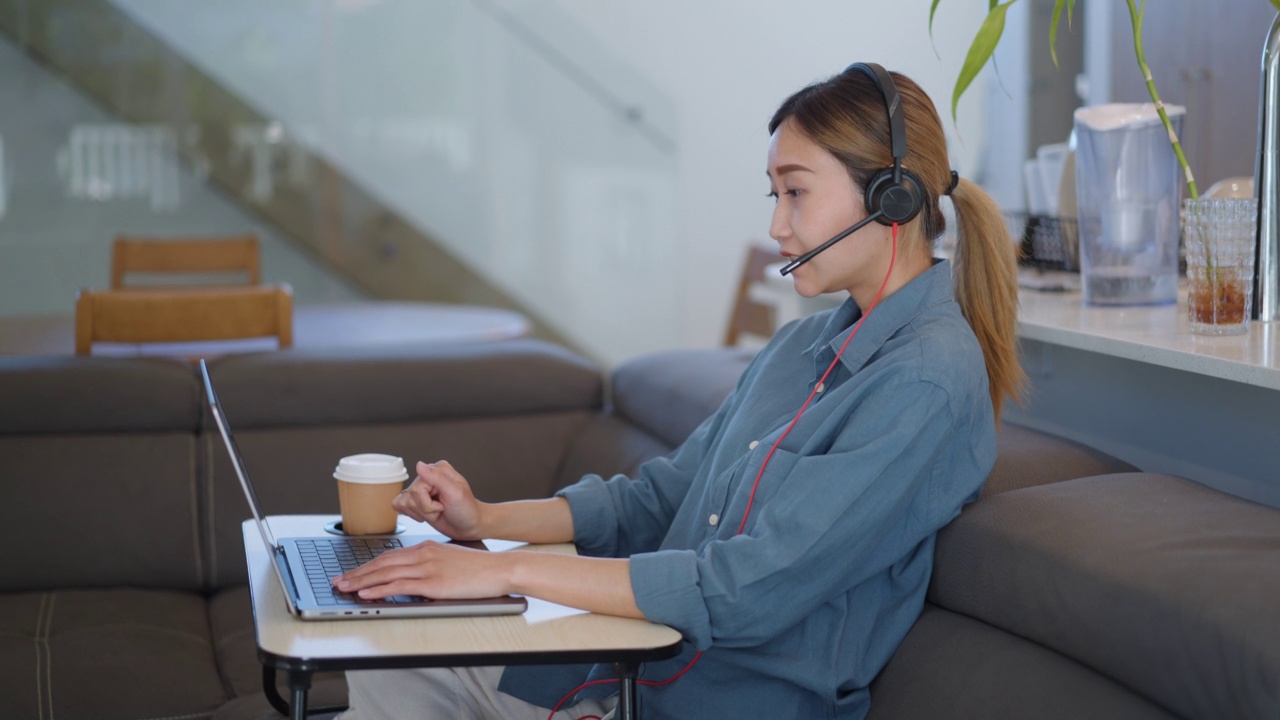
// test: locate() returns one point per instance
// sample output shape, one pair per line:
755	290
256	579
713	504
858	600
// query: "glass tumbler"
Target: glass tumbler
1220	237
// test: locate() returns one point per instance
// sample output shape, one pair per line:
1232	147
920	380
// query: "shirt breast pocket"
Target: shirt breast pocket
771	489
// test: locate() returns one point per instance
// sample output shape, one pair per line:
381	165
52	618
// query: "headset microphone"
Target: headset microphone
791	266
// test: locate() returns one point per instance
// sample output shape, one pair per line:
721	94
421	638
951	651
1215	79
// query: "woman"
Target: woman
790	538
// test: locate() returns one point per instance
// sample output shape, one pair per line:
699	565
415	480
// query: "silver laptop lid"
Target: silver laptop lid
224	428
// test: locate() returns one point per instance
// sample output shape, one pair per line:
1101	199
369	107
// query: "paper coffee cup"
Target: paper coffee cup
367	483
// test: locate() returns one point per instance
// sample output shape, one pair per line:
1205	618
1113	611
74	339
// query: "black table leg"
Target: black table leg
626	690
273	694
299	684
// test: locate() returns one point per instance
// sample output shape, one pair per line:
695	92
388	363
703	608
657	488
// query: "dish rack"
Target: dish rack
1047	242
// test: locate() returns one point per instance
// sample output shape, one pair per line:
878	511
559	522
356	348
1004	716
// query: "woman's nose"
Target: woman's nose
779	228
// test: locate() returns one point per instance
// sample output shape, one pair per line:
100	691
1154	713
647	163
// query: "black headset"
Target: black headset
894	192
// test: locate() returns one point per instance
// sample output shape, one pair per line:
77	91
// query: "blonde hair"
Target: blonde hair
845	115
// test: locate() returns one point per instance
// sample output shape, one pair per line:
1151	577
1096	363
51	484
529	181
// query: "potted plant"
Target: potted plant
1213	289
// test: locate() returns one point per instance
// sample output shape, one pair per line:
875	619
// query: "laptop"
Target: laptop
305	566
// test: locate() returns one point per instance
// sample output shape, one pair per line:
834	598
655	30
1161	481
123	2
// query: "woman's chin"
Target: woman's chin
807	291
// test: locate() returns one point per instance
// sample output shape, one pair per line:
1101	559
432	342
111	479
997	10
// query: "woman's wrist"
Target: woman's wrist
485	524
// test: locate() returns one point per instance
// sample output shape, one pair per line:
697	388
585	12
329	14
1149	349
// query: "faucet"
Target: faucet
1266	287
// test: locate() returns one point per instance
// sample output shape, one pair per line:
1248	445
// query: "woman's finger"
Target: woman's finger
395	587
400	558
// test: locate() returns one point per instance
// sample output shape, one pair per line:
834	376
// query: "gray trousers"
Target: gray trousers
468	693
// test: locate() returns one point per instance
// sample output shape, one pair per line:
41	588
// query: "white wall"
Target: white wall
728	64
1004	133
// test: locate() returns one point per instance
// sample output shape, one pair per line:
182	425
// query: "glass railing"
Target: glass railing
73	176
458	150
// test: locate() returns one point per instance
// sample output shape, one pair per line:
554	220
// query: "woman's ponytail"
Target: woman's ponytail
986	287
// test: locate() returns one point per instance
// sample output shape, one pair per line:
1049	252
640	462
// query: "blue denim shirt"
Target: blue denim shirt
797	614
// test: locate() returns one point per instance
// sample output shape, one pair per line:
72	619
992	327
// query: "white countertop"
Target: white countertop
1159	335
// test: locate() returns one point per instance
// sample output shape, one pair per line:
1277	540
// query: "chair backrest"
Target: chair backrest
213	254
749	316
178	315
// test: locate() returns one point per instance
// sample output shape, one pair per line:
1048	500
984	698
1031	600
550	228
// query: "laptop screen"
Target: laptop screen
224	428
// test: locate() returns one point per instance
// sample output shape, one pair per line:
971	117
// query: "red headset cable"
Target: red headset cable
893	256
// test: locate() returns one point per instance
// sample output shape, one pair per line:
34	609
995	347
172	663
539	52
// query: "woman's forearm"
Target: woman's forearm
600	585
532	521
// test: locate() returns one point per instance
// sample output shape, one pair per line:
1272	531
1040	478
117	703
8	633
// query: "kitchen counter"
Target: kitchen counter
1135	382
1158	335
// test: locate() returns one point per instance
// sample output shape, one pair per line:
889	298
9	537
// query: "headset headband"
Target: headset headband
892	103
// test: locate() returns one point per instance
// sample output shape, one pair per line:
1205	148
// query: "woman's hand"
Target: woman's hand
435	570
442	498
443	571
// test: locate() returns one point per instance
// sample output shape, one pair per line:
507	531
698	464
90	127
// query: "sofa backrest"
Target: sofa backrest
669	394
656	401
116	466
1166	586
98	453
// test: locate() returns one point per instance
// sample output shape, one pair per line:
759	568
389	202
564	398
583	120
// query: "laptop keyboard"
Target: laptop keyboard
326	559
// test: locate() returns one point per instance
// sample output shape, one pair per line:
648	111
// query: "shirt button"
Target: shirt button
753	444
714	519
821	387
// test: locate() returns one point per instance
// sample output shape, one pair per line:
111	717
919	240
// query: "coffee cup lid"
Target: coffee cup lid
371	468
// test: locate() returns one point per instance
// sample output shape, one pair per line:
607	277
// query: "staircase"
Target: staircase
462	151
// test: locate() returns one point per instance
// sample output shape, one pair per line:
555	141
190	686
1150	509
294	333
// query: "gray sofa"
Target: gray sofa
1067	591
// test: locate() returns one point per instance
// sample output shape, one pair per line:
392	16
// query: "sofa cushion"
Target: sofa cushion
1026	457
670	393
955	667
355	386
107	655
234	641
236	647
109	509
1167	586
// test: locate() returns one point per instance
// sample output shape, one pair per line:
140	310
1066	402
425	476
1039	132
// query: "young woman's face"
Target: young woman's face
816	199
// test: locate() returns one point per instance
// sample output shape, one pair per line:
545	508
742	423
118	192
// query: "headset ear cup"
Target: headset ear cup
899	202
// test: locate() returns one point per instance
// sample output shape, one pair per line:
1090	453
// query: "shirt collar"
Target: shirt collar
929	288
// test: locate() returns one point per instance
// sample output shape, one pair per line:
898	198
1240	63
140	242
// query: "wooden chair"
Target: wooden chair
173	315
749	316
206	255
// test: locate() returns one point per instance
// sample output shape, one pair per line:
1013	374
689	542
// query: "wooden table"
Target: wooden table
314	326
547	633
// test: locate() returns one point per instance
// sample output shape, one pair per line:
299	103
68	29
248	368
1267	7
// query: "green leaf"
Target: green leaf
1053	29
984	44
1276	3
934	8
1057	17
